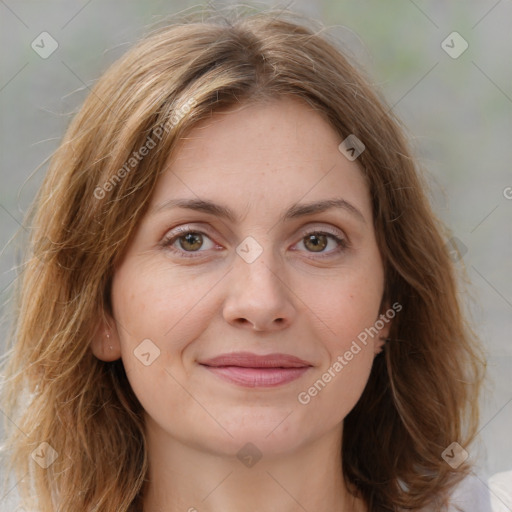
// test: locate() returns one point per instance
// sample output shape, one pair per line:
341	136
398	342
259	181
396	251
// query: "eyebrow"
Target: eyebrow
294	212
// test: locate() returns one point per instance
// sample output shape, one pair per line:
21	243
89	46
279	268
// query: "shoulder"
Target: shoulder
477	494
501	491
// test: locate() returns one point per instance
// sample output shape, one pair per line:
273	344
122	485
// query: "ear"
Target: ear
105	344
383	325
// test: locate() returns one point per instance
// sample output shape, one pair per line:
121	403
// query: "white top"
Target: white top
474	494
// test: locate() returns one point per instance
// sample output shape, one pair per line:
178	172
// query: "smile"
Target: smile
252	370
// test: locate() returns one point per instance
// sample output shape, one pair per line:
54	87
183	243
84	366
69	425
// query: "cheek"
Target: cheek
159	313
347	307
348	310
336	387
158	316
334	392
157	304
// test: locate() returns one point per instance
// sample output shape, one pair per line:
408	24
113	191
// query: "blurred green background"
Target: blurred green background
458	113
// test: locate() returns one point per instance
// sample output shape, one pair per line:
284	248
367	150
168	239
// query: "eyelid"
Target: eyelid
339	237
323	229
309	228
175	233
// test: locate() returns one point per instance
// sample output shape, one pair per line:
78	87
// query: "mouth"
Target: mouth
252	370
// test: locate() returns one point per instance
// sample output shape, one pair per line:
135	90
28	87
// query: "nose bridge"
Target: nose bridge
260	275
258	293
256	258
257	266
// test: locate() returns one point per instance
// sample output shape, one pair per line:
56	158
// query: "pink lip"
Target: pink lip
252	370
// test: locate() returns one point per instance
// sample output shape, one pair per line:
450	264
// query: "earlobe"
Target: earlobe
105	344
383	323
379	345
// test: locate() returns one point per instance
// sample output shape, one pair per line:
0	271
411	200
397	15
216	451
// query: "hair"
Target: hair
423	390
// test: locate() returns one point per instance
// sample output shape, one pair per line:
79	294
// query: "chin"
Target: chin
271	433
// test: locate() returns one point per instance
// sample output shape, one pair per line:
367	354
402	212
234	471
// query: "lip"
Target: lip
253	370
250	360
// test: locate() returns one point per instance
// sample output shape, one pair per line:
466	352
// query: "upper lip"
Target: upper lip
250	360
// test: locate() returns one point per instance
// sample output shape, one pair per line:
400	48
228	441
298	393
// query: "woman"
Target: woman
239	297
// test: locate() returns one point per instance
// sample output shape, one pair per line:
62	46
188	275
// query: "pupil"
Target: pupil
318	242
189	240
317	246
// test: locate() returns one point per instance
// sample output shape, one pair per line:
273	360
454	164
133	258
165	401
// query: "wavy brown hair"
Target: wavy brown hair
422	393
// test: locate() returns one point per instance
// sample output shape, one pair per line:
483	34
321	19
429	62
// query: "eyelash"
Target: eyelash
169	240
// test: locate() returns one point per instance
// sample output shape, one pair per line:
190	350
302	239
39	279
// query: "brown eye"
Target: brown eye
191	241
188	243
316	242
324	243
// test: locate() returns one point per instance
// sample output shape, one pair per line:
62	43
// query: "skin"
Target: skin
258	160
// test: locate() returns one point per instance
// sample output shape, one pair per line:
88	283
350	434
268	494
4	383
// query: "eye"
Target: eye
318	241
187	241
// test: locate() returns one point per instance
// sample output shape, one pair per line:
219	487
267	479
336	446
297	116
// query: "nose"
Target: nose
258	298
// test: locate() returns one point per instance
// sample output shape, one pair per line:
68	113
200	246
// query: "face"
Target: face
280	290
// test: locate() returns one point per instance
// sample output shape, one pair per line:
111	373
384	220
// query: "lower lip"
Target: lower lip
257	377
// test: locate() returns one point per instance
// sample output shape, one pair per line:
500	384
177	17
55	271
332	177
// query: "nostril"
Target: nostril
256	325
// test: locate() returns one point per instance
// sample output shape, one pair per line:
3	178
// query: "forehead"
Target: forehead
262	153
263	128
